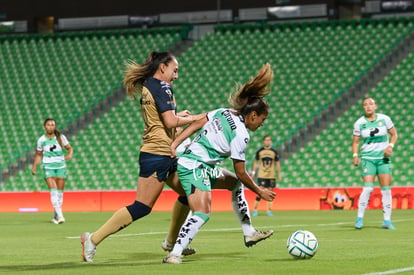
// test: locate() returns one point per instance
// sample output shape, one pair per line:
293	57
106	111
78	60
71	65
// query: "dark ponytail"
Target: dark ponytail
57	133
136	74
249	97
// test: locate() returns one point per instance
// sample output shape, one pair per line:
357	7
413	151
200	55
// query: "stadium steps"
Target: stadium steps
349	97
103	103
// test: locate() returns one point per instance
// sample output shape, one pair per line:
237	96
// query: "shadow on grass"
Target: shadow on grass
131	260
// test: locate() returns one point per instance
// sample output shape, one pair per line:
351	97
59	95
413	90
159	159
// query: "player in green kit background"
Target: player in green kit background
49	149
375	160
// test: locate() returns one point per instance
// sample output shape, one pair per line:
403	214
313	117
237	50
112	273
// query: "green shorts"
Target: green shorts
201	178
373	167
57	173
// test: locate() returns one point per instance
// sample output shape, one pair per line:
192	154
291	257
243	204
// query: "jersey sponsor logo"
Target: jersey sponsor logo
373	132
144	100
218	127
229	119
206	173
53	147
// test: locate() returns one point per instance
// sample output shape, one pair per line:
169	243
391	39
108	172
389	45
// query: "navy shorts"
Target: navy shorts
266	182
156	165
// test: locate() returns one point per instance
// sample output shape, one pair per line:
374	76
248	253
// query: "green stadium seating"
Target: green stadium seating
311	61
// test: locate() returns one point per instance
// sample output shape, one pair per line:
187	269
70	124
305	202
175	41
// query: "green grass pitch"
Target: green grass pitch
31	244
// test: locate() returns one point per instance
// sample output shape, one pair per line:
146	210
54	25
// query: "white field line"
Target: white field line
393	271
237	229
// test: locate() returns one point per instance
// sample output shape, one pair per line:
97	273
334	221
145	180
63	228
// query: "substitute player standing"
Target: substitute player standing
268	164
376	151
49	149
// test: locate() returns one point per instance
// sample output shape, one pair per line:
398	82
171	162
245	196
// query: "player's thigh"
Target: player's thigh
148	190
173	181
192	179
368	170
226	180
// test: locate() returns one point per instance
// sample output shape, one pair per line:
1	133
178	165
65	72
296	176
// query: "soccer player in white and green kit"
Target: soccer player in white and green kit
377	148
223	134
49	149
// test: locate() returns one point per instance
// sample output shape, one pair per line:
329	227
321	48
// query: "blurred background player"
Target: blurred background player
223	135
49	149
267	164
376	152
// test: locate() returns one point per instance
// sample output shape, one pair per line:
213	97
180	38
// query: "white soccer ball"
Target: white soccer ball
302	244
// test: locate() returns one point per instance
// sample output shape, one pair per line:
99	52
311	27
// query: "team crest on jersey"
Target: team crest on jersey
380	123
168	91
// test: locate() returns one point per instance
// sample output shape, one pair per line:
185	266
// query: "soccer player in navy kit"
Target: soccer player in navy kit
151	83
266	164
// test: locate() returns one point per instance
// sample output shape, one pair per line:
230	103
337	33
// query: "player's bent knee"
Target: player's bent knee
138	210
183	200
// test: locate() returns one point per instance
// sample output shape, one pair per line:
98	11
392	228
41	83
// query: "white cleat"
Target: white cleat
257	237
171	259
88	248
169	247
61	220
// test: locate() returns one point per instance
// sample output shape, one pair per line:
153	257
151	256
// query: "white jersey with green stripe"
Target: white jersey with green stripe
223	136
53	157
374	135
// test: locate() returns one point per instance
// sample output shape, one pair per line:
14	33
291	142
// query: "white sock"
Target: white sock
60	197
387	204
363	200
241	209
54	198
187	233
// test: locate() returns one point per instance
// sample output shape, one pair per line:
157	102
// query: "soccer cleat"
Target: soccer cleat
269	213
255	213
60	220
171	259
388	225
55	218
257	237
169	247
358	223
88	248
